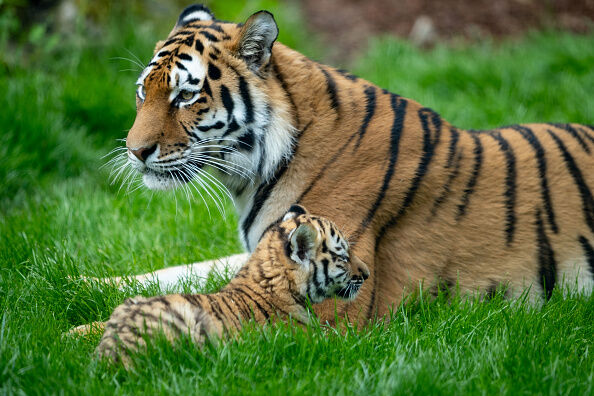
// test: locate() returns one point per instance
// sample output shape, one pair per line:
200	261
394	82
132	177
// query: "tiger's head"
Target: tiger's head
317	256
204	100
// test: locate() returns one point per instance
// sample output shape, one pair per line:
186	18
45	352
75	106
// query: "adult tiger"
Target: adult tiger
421	200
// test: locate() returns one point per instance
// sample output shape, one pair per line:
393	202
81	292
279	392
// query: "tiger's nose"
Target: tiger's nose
143	152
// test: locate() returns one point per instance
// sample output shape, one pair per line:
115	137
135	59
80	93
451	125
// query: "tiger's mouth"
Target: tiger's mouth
167	179
350	291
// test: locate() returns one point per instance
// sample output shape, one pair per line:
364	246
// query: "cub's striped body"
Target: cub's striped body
423	202
303	258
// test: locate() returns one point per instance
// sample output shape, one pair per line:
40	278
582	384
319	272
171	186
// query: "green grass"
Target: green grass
64	108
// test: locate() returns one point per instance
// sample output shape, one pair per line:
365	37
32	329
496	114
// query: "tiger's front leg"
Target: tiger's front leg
87	329
170	278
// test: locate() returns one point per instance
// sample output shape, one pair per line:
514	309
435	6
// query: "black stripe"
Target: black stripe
529	136
264	191
369	111
184	33
216	125
181	66
189	41
325	264
183	56
588	252
285	87
163	53
233	126
429	144
574	134
452	147
447	187
190	10
476	170
585	194
199	46
244	91
346	74
262	153
206	88
331	90
213	71
586	133
510	185
246	141
171	41
260	308
227	101
242	305
399	108
209	36
188	131
546	259
319	291
214	26
452	160
223	298
215	309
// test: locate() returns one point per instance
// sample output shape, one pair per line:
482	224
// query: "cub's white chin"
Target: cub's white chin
158	182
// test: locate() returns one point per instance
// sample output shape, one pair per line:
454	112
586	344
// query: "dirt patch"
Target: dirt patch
349	23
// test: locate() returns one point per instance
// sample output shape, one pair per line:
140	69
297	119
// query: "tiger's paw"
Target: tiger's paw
86	330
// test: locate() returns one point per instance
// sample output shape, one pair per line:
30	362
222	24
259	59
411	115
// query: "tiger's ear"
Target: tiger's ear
294	211
302	242
256	38
195	12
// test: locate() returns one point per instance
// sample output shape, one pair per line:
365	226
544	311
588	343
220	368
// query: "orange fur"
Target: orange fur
422	201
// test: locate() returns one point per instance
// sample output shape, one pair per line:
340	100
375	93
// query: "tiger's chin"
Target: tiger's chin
350	291
164	181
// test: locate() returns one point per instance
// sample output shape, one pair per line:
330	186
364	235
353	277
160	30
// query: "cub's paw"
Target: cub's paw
86	330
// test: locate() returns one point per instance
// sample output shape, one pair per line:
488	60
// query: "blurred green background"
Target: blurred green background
67	73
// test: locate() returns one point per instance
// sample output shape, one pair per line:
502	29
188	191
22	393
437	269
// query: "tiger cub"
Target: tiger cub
302	258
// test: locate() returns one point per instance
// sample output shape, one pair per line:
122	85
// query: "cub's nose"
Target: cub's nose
143	152
364	273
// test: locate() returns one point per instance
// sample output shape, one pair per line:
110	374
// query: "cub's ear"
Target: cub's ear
195	12
256	38
294	211
303	243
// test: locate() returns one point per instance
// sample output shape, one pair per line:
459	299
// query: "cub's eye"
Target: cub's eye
141	92
186	96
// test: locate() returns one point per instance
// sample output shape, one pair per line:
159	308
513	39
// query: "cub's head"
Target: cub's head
319	262
205	100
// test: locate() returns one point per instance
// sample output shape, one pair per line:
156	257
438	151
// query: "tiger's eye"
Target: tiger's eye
187	95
